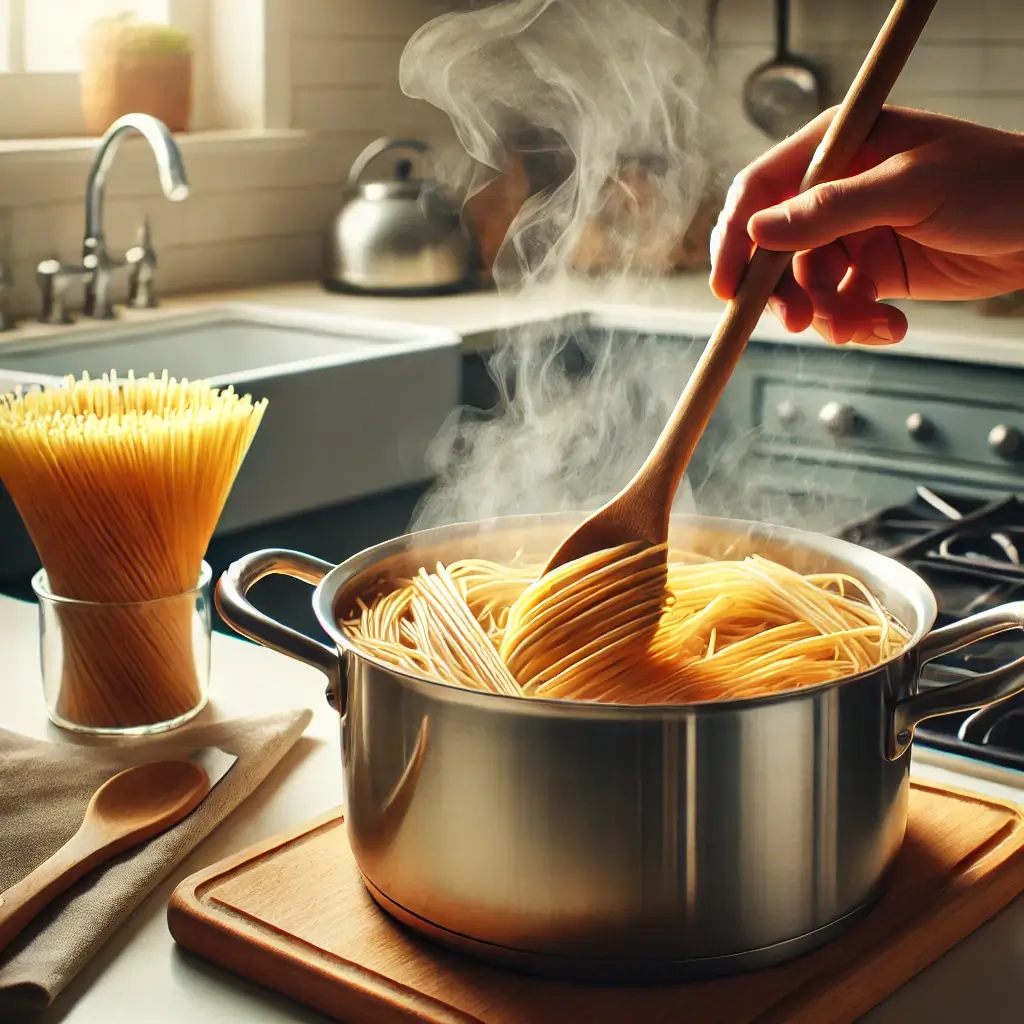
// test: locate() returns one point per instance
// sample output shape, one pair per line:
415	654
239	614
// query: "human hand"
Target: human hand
933	208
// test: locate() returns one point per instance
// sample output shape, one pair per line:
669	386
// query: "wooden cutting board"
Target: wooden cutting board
292	914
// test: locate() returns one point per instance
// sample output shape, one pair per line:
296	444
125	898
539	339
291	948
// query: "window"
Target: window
40	57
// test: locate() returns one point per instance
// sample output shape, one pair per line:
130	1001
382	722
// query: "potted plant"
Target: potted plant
132	66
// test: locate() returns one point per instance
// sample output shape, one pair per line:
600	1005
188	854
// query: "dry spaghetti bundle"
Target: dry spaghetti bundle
120	483
609	627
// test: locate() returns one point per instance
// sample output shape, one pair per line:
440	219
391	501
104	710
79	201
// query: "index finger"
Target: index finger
772	178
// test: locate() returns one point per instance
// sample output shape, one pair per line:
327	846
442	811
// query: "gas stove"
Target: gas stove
970	552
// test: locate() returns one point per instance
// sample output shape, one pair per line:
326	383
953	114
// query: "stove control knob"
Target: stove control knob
1007	442
788	413
840	420
919	427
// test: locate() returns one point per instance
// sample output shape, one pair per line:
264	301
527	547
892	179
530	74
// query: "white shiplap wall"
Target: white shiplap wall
969	62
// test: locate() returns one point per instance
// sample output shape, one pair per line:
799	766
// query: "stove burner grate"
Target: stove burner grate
969	551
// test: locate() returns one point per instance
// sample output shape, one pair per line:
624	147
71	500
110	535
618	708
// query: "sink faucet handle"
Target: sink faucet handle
7	319
142	259
99	267
53	278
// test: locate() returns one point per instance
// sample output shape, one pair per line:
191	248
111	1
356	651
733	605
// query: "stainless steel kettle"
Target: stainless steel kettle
397	236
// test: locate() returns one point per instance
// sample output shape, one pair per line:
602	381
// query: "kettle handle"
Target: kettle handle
375	149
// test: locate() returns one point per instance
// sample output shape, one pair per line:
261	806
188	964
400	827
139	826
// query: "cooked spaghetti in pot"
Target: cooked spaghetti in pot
610	627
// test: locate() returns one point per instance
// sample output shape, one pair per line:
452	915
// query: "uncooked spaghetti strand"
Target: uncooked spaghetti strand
120	483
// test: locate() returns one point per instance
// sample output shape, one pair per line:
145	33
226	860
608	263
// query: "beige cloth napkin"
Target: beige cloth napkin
44	790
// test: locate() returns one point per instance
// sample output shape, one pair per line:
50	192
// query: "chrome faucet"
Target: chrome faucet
172	179
97	264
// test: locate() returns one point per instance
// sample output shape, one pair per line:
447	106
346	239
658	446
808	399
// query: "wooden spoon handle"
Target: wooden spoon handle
20	904
846	134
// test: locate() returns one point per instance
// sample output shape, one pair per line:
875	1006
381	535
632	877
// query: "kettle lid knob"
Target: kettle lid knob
403	167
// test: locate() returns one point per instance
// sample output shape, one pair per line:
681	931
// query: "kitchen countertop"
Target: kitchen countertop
677	305
140	976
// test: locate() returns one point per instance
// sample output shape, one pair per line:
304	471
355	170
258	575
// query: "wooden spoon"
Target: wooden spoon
641	510
126	810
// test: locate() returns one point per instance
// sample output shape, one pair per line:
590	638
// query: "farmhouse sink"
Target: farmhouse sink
352	404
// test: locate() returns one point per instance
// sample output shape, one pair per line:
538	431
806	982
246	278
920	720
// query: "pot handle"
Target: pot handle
981	690
375	149
245	618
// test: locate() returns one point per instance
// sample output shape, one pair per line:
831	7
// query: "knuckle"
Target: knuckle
738	190
731	221
741	182
743	199
905	162
828	196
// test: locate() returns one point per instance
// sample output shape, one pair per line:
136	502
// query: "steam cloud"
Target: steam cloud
601	101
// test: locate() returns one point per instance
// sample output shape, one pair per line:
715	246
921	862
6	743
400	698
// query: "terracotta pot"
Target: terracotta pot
115	83
491	211
634	230
628	232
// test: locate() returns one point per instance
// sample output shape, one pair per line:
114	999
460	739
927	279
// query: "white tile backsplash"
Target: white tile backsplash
254	214
328	60
362	18
385	108
952	21
938	69
258	219
969	62
743	21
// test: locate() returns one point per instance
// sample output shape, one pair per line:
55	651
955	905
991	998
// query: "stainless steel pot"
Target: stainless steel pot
397	236
614	841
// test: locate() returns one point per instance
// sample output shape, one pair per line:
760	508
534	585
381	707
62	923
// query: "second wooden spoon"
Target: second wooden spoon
126	810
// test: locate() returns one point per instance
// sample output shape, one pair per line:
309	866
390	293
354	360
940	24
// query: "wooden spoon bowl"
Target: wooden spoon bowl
126	810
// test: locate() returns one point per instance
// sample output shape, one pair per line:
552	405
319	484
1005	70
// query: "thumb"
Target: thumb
891	194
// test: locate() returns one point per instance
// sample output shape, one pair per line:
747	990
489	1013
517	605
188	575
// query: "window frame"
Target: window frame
47	104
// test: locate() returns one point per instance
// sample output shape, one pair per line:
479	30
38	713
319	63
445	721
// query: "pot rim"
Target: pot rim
326	592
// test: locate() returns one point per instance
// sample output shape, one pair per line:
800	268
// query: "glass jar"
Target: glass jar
124	669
